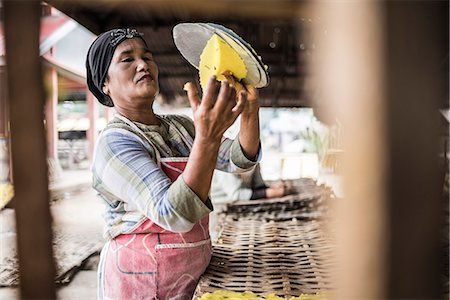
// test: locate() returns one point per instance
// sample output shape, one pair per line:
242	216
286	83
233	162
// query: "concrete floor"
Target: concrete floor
77	214
82	287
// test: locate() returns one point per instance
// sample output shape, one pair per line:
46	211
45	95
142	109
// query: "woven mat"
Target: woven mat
305	185
310	201
273	246
287	258
299	206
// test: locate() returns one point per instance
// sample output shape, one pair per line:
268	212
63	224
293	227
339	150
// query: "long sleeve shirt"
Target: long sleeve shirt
127	176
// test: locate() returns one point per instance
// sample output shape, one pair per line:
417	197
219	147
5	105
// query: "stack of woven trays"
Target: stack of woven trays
277	246
308	201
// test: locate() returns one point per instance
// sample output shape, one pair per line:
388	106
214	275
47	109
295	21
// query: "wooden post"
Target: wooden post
4	114
416	48
26	98
350	45
92	106
109	112
379	72
5	159
51	114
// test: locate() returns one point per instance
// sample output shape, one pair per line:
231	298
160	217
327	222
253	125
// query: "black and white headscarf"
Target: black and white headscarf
99	58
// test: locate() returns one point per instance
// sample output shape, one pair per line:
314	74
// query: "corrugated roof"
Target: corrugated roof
273	28
50	25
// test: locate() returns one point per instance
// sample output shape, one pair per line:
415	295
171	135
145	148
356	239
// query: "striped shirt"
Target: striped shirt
127	177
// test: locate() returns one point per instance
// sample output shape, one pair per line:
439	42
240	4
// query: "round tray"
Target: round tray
191	39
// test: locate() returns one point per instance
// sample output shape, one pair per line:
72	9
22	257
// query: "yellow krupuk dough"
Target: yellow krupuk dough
218	57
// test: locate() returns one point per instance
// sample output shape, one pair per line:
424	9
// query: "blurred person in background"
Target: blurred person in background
247	185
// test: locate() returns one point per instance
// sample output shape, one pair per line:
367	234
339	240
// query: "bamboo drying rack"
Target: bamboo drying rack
273	246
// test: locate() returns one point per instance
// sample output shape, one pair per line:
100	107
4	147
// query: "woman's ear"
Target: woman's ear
105	88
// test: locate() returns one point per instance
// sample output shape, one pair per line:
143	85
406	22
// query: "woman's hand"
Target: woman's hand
252	105
249	131
212	117
276	191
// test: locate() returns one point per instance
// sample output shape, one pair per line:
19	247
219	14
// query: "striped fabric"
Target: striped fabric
127	177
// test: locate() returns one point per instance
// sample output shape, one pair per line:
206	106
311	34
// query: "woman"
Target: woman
154	172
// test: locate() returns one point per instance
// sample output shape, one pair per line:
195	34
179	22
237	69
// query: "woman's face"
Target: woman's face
132	79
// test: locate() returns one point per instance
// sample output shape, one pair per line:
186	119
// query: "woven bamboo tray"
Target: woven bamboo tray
305	185
309	202
279	209
287	258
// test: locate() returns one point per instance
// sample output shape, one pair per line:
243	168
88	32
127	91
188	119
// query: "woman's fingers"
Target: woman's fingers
210	90
252	93
215	115
226	98
240	104
224	93
194	99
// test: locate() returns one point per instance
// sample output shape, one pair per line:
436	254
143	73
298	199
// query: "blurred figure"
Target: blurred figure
249	185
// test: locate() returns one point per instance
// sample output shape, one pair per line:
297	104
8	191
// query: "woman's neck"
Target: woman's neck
144	116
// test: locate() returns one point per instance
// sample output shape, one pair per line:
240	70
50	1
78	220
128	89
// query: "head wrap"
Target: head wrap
99	58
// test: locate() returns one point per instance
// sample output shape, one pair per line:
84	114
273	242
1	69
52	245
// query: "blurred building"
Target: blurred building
63	47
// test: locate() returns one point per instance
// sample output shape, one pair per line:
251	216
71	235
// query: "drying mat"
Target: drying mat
70	251
279	209
306	185
303	185
310	201
287	258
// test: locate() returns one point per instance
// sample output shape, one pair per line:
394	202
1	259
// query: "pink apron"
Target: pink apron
153	263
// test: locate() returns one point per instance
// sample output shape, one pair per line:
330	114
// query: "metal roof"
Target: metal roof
277	30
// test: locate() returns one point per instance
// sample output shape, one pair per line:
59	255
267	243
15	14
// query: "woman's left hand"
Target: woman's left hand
252	104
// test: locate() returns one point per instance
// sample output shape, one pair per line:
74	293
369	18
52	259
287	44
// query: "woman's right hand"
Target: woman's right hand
212	117
276	191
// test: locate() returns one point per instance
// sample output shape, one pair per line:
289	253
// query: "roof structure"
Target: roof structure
277	30
52	29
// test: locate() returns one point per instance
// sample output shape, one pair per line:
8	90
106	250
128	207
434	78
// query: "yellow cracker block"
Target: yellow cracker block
230	295
217	58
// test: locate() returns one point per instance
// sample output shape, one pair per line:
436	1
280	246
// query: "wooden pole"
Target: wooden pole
350	64
416	47
5	171
109	112
51	114
4	113
28	144
380	67
93	115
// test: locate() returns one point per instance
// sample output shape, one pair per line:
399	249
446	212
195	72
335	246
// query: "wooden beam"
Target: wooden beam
4	111
100	15
28	144
92	106
380	68
51	115
350	67
416	44
108	113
